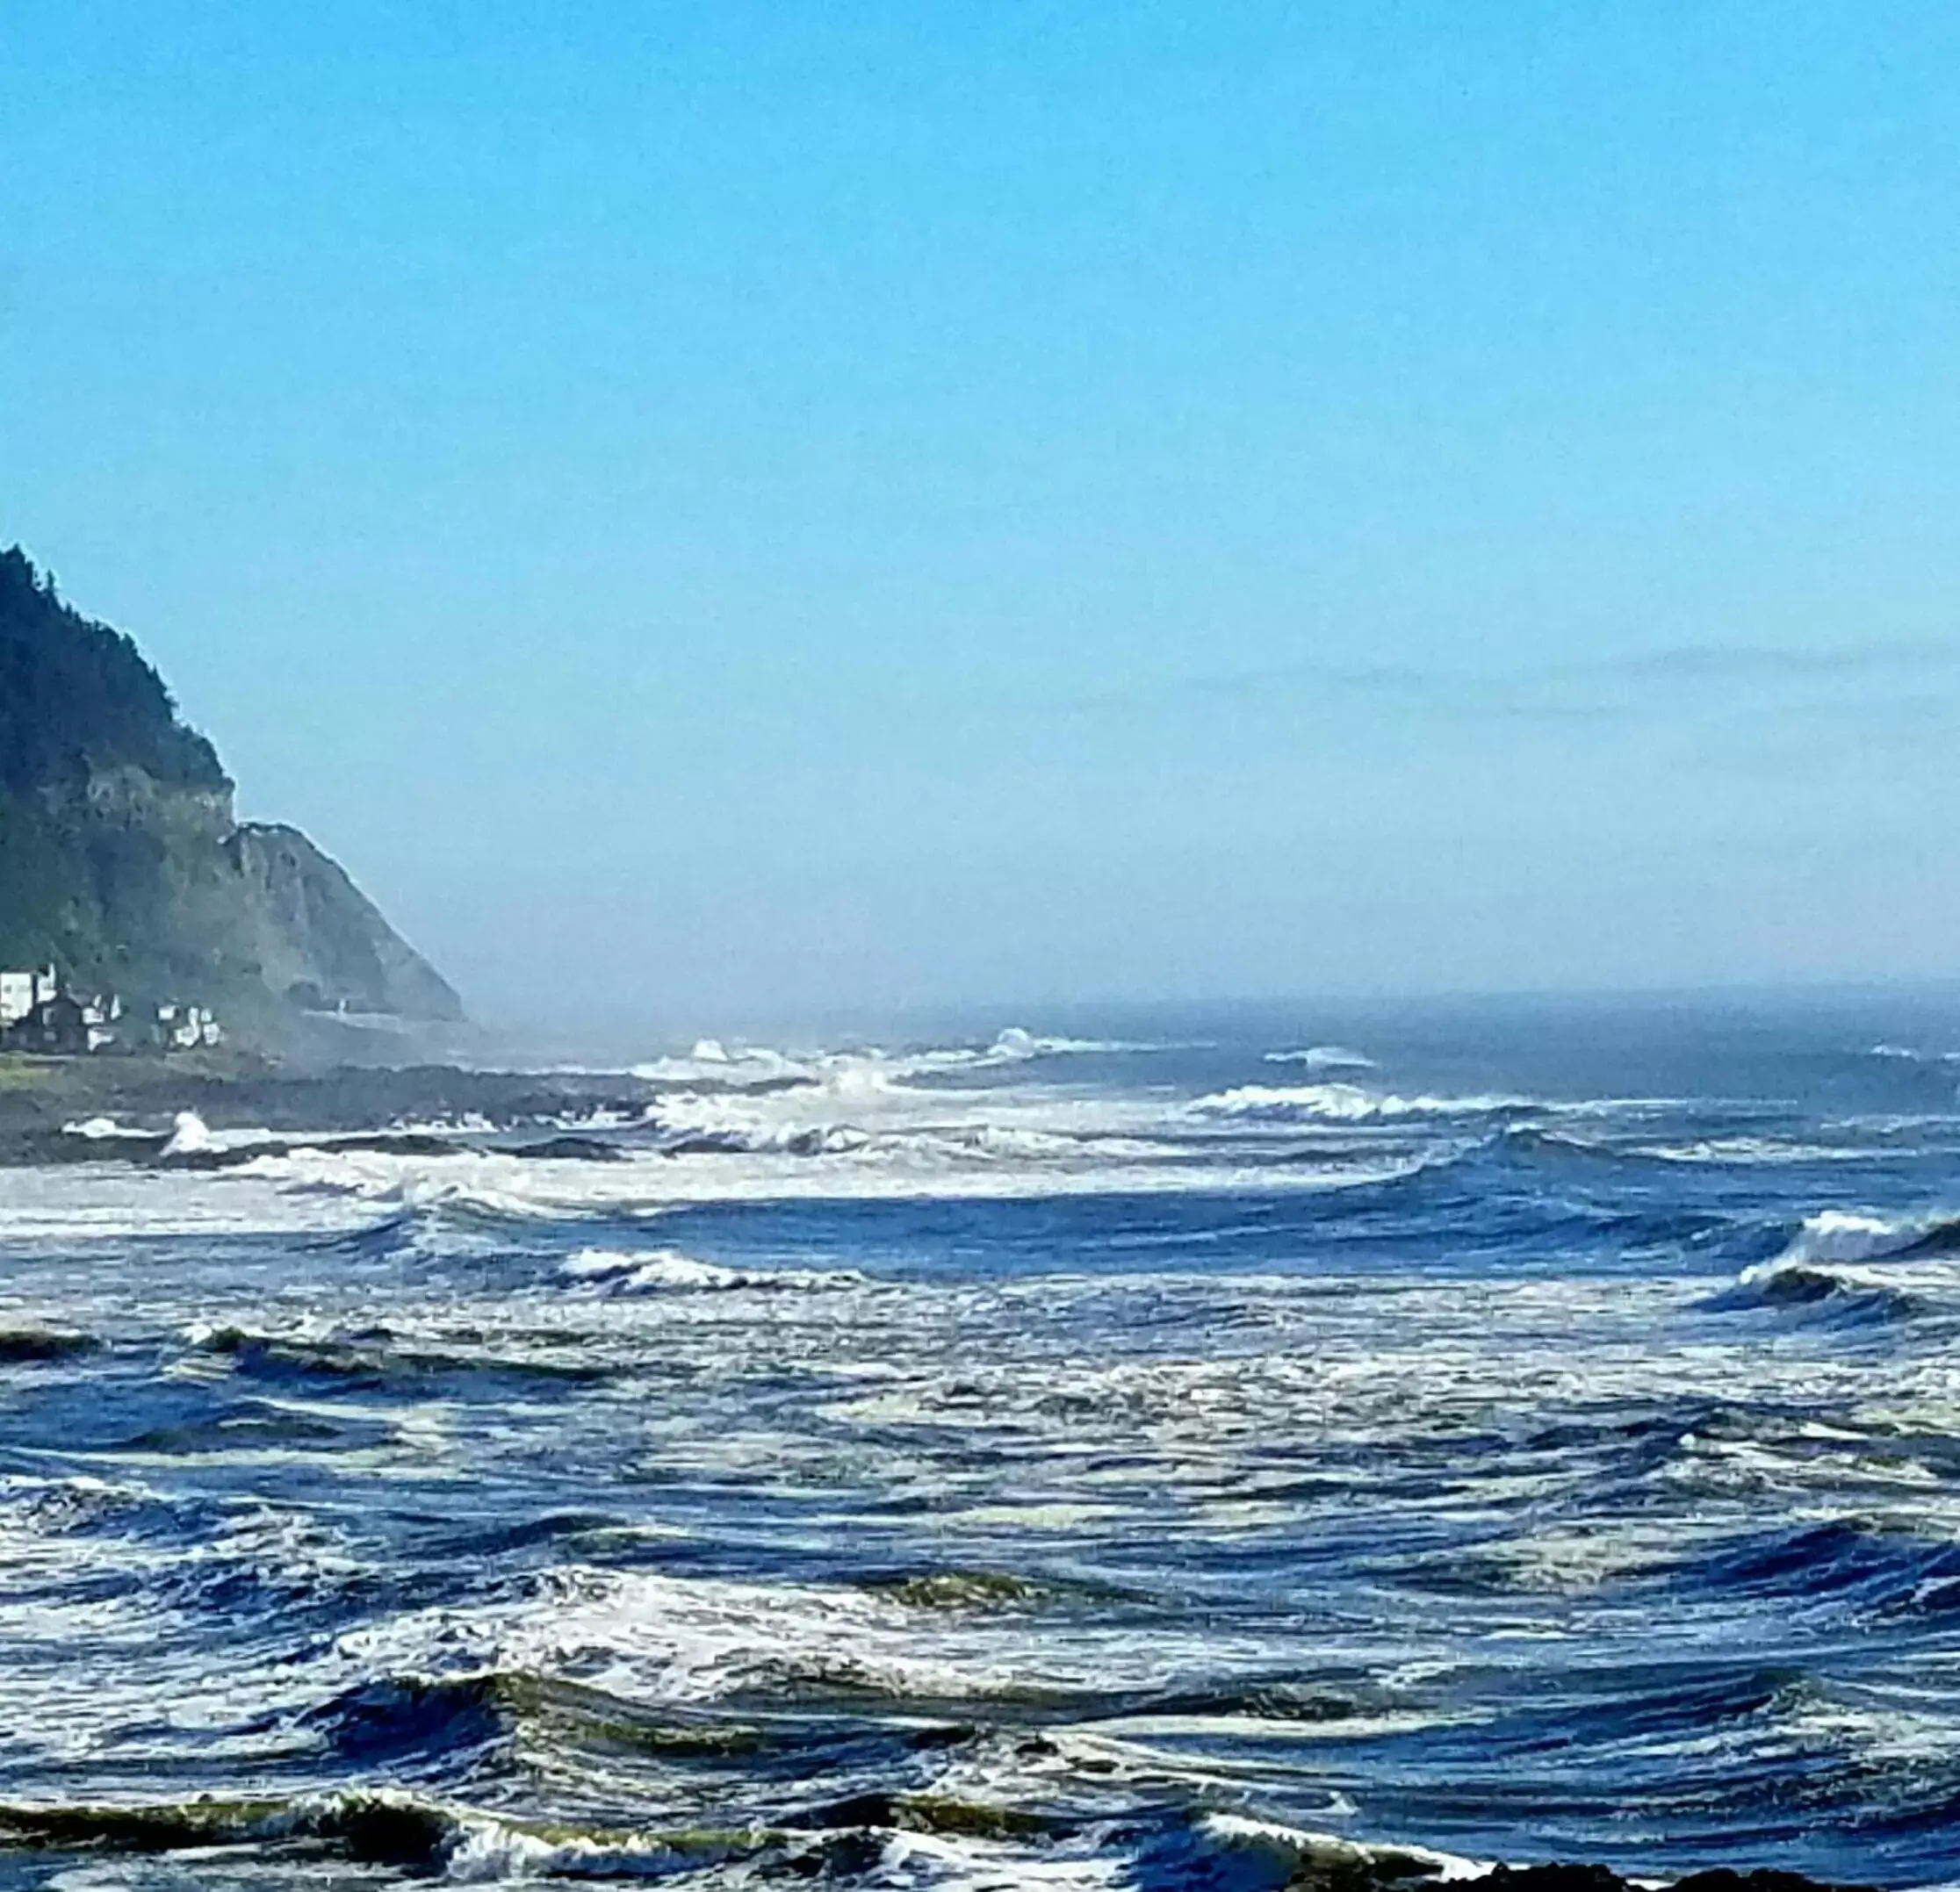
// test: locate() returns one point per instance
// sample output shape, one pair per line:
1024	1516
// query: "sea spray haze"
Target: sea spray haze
1089	1460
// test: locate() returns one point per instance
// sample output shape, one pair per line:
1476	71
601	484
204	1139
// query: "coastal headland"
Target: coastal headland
133	895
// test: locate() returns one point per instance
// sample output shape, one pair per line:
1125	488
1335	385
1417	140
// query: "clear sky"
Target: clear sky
725	509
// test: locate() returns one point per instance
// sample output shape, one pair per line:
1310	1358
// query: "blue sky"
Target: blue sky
764	509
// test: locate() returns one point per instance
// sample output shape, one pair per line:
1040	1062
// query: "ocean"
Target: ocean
1153	1451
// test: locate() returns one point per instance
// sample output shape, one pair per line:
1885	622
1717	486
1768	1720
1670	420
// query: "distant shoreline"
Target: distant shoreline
234	1090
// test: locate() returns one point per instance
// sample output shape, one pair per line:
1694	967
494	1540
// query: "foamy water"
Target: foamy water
1054	1459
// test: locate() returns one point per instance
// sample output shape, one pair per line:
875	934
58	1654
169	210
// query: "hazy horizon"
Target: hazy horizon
725	516
1922	1017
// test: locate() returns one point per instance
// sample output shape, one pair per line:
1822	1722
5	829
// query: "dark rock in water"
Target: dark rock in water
1604	1879
1200	1857
940	1813
51	1146
572	1150
23	1346
1763	1880
1554	1879
331	1109
397	1143
706	1143
378	1832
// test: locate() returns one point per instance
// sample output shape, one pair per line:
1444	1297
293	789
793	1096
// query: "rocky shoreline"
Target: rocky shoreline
40	1096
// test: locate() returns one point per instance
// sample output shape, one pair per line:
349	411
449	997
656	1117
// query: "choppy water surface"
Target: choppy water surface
1033	1463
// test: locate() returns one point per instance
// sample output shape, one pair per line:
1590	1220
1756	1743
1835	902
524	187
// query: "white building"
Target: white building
21	991
186	1027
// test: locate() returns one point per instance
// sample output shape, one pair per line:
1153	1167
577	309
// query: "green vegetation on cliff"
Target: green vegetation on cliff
76	699
121	861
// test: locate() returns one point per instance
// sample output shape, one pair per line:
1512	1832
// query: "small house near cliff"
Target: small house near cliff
40	1014
186	1028
21	991
56	1027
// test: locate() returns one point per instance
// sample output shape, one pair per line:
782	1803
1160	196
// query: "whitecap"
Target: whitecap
191	1136
1339	1102
667	1270
100	1129
1842	1235
1324	1057
712	1061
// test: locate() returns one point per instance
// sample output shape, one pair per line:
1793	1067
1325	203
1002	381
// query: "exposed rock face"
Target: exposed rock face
123	865
319	942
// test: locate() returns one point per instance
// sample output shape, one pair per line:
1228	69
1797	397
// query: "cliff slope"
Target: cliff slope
319	940
122	861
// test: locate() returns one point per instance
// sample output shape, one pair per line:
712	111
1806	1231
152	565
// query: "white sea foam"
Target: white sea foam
710	1060
649	1637
1324	1058
950	1863
1339	1102
190	1136
745	1067
1236	1832
861	1124
466	1123
1750	1149
1839	1236
99	1129
1016	1042
484	1849
1866	1255
667	1270
838	1163
330	1192
1015	1045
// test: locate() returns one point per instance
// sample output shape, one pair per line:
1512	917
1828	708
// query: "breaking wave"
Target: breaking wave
712	1061
1838	1235
1850	1270
391	1827
1339	1102
915	1839
108	1130
191	1138
668	1271
786	1473
1324	1058
1836	1297
750	1067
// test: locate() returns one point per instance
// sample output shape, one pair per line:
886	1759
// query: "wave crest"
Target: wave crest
1324	1058
1341	1103
668	1271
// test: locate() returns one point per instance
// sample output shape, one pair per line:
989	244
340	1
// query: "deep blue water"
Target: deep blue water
1096	1460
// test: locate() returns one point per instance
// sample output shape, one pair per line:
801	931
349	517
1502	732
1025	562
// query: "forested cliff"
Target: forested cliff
122	863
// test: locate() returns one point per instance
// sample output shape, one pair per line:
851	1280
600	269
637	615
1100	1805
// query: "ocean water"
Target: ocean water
1135	1458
